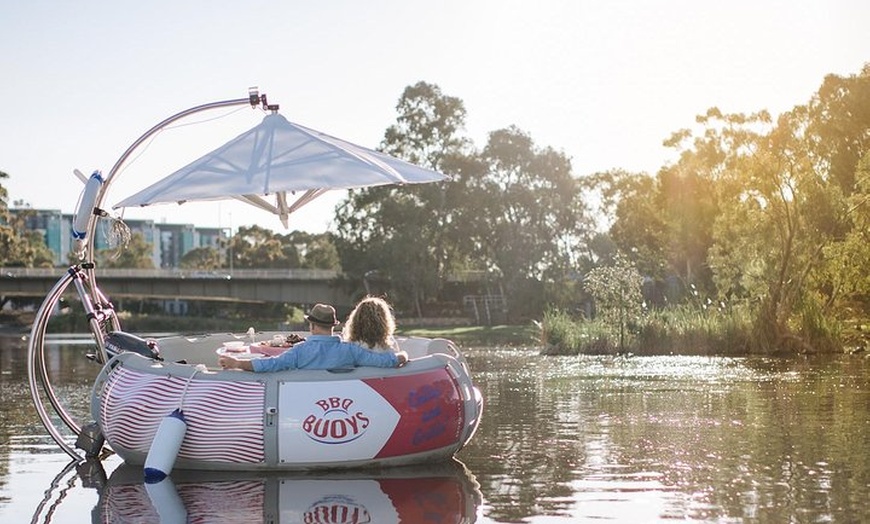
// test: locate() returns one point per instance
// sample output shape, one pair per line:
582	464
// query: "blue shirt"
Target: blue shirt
324	352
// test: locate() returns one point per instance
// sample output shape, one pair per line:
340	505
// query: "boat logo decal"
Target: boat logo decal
430	400
337	509
335	421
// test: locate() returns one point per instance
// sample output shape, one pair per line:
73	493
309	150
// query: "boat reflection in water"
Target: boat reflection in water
444	492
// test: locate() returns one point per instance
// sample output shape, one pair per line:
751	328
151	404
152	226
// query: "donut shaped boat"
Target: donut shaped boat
164	403
291	420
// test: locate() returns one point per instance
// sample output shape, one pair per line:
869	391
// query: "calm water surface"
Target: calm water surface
563	439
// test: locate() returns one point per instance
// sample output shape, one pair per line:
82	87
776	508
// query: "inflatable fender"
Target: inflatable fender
87	202
165	446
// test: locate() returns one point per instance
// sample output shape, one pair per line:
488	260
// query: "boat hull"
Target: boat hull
292	420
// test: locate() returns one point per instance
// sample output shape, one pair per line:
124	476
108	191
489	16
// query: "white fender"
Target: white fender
165	446
86	205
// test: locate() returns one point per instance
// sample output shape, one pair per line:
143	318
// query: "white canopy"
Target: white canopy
277	157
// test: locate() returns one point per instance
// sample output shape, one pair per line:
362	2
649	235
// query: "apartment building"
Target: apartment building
169	242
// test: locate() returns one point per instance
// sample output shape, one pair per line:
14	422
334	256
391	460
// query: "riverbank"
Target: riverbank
559	338
457	330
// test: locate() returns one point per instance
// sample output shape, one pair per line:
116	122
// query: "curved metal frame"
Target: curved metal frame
97	307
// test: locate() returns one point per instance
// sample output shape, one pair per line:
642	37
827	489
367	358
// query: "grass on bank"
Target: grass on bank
673	331
692	330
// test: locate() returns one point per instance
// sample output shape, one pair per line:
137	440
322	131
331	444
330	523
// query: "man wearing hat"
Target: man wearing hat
321	350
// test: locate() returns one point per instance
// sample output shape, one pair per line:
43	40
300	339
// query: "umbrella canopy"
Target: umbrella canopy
275	158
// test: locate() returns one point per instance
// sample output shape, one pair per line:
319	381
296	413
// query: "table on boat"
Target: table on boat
257	350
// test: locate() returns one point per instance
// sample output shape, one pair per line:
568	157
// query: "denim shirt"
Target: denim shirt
324	352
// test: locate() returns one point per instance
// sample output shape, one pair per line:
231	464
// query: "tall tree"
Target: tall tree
317	251
255	247
779	213
405	232
632	202
19	246
526	217
837	126
206	258
688	200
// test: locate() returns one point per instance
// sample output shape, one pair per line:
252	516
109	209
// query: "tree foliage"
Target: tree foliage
19	246
206	258
616	288
511	210
770	213
254	247
408	232
527	219
639	226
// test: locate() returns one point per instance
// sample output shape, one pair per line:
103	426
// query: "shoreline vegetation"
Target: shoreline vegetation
669	332
685	331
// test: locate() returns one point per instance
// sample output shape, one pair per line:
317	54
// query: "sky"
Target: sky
605	82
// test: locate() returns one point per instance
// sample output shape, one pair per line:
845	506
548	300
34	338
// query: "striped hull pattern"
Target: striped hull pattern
224	419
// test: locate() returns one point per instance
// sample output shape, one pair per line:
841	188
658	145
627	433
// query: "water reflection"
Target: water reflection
689	438
446	492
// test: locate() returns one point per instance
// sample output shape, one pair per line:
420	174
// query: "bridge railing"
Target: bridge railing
252	274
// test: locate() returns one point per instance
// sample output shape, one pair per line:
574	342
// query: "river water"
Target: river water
563	439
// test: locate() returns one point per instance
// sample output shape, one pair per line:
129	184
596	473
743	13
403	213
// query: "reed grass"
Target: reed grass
683	330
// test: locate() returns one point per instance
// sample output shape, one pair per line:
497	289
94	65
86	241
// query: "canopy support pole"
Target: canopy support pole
37	372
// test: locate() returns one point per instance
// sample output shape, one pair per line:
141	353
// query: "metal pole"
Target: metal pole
36	369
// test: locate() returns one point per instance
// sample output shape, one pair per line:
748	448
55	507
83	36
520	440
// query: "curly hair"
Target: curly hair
371	323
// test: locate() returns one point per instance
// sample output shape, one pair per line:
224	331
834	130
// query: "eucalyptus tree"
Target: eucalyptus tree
527	220
847	256
316	250
632	205
207	258
20	247
408	233
254	247
837	127
787	200
837	123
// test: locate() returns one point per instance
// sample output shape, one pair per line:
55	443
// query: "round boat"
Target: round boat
291	420
164	403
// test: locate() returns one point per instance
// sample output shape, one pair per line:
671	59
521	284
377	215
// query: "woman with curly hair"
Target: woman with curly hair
371	324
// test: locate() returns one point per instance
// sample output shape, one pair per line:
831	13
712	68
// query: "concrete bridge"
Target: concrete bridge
293	286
